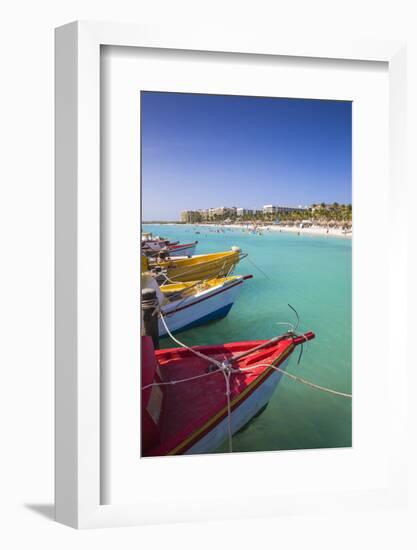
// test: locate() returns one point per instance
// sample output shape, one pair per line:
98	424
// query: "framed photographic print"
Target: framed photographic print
200	147
219	291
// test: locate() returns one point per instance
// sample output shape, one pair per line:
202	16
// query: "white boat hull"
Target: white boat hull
201	308
240	416
153	246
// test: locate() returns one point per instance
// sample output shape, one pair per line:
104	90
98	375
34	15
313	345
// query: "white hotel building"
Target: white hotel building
273	209
243	212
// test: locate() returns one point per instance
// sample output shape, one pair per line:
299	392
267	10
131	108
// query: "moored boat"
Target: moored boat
203	266
151	246
180	249
155	243
191	407
191	304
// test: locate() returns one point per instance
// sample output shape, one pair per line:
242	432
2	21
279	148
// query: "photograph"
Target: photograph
246	273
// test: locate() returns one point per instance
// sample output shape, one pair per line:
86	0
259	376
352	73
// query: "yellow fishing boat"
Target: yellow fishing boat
196	268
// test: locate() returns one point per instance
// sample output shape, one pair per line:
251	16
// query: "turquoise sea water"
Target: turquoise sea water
313	274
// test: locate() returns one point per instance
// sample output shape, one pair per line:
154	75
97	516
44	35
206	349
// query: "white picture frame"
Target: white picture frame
78	449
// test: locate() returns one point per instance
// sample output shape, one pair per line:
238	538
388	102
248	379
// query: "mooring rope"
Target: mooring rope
173	382
258	268
298	379
227	370
201	355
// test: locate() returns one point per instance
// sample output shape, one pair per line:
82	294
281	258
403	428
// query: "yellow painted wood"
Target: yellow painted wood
204	266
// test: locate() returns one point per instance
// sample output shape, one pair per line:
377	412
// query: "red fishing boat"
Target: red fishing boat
187	249
151	246
191	404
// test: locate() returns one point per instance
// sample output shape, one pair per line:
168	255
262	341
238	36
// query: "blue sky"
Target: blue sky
201	151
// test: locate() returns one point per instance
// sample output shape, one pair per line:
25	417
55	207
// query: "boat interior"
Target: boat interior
201	258
194	287
173	413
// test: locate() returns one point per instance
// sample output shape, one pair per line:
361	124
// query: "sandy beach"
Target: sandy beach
313	230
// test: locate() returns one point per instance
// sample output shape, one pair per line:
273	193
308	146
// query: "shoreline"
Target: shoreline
314	230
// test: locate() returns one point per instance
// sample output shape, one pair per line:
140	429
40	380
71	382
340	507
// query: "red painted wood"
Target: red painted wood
187	407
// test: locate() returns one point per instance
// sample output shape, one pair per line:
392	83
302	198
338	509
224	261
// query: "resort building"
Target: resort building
225	211
190	216
272	209
207	214
203	213
269	213
243	212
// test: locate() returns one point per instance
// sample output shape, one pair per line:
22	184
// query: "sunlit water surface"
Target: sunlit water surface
314	275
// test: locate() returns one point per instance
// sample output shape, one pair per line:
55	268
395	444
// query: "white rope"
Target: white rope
167	279
201	355
173	382
298	379
258	268
227	371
